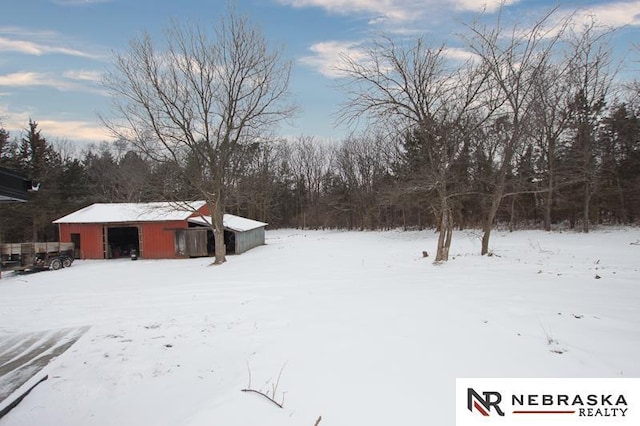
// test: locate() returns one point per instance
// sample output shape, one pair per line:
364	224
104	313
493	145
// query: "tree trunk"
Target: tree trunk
490	217
586	212
446	229
220	250
622	210
447	240
496	196
513	213
486	234
548	204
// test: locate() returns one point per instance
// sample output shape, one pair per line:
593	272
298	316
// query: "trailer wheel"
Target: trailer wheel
55	264
66	262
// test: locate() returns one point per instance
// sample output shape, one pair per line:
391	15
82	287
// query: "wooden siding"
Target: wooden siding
191	242
247	240
204	211
157	239
91	243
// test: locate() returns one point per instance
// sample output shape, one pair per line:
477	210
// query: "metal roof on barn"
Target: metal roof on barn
231	222
133	212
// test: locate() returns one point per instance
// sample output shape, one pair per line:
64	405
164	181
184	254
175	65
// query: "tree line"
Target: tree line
530	129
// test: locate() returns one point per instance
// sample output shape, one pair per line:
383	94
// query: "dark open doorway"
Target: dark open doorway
229	242
77	249
122	242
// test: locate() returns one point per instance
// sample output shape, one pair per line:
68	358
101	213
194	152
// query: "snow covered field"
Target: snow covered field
358	327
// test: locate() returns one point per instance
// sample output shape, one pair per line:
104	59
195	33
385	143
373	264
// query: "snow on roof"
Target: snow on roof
232	222
132	212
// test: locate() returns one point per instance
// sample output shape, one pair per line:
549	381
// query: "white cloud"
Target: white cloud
401	12
84	75
74	130
458	54
31	79
327	56
480	5
24	32
611	14
26	47
38	49
398	10
605	16
38	43
80	81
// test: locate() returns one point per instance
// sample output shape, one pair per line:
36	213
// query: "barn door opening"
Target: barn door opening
77	249
121	241
191	242
229	242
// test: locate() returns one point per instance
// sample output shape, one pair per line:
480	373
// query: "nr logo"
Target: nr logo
485	403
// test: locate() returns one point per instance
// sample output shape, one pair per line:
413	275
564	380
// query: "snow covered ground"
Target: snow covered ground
359	328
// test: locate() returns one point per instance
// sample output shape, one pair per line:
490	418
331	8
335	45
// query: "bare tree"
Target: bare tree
310	162
251	186
363	166
551	122
591	78
199	98
514	59
414	88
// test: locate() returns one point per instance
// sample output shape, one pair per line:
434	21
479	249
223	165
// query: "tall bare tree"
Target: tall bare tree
414	88
551	122
198	98
514	58
310	162
362	166
591	74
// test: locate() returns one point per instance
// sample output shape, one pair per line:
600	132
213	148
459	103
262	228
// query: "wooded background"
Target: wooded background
537	126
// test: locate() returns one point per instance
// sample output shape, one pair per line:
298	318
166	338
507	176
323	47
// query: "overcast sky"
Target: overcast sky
53	52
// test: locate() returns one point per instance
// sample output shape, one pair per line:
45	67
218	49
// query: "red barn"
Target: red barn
105	231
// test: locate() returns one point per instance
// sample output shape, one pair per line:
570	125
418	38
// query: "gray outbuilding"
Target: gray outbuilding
241	234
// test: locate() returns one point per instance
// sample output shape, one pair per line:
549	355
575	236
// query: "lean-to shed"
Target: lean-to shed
241	234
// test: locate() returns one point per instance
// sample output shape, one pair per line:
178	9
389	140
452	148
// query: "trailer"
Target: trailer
35	256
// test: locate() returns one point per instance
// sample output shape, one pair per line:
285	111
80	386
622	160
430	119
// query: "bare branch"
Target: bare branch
264	395
197	100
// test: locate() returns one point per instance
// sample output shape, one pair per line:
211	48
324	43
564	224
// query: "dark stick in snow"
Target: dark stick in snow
265	395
